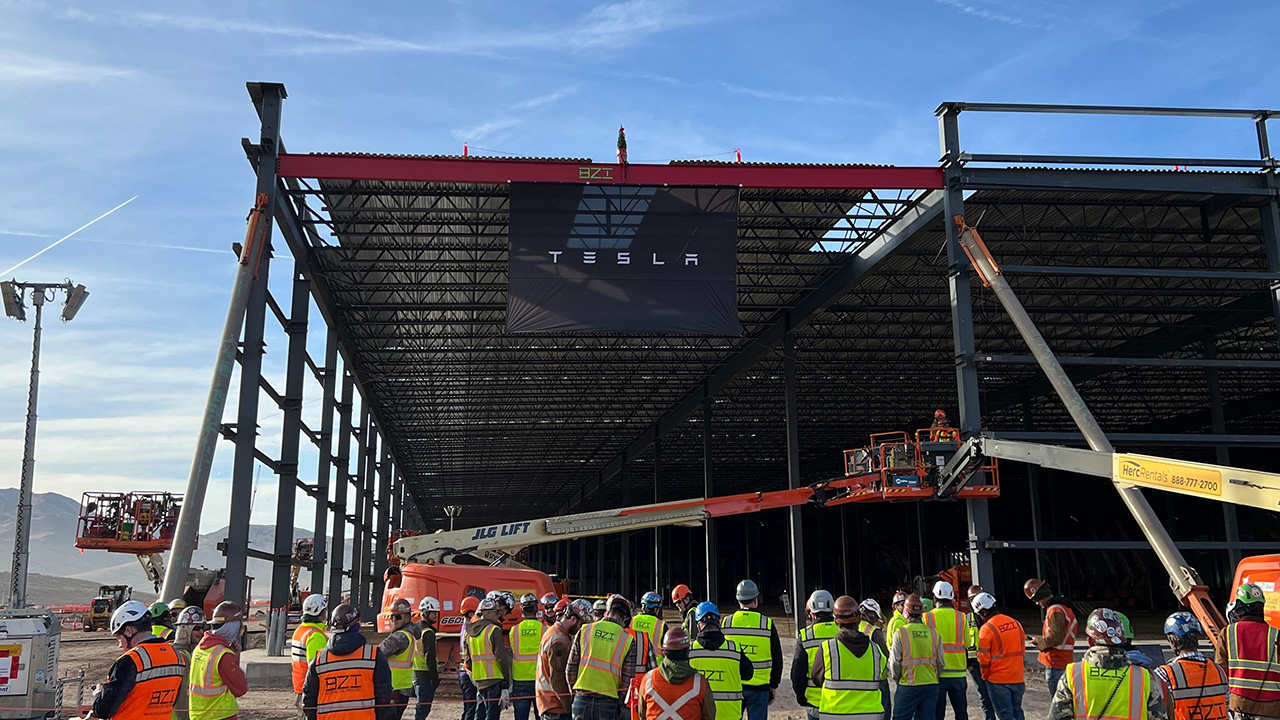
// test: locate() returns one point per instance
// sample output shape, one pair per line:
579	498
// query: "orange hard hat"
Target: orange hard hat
940	414
1035	588
913	605
469	604
680	592
846	611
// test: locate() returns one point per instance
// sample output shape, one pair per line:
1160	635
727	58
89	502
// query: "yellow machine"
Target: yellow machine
109	598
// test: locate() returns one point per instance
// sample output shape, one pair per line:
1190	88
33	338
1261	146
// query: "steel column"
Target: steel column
341	478
397	500
1033	487
384	524
325	464
796	525
625	537
355	575
1270	217
244	463
369	487
708	490
657	532
1222	454
962	335
600	587
291	429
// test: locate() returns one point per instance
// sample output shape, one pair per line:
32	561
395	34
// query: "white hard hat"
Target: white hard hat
982	601
127	614
314	604
820	601
871	605
429	604
942	590
488	604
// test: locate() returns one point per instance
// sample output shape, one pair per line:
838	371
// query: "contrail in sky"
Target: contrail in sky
68	236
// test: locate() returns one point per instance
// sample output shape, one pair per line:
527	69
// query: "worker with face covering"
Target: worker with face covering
216	679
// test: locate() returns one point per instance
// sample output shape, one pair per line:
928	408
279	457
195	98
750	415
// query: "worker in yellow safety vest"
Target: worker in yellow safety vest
849	669
1105	683
216	679
308	639
870	625
426	665
897	619
952	627
721	661
525	640
602	663
756	636
809	641
488	659
649	620
400	649
161	620
915	663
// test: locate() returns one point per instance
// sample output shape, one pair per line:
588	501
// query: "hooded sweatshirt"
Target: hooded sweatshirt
713	638
503	653
345	643
680	672
857	643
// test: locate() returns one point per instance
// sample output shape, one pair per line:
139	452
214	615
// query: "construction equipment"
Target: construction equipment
303	550
108	599
140	524
900	466
29	640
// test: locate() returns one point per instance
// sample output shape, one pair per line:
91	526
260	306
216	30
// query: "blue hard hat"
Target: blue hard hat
1182	623
651	599
705	608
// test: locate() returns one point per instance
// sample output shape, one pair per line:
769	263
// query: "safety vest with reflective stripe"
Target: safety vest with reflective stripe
544	692
526	638
1002	651
402	663
1060	655
346	684
484	655
159	673
896	621
1100	694
866	628
163	632
723	670
851	684
1197	689
602	647
1253	669
646	660
811	639
752	631
918	660
420	662
668	701
952	627
654	627
298	652
210	699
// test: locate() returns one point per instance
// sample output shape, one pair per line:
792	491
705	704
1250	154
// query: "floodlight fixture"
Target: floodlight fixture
12	297
75	298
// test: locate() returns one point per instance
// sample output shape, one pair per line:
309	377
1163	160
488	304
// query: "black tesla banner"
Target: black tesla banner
623	258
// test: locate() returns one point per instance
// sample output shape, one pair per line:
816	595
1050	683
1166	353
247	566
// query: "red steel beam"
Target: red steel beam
498	171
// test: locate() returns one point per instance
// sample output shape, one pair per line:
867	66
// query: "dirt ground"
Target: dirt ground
95	653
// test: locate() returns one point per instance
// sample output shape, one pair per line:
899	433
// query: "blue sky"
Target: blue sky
103	101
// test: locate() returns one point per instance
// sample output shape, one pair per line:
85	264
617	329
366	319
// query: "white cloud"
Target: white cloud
542	100
992	13
478	133
786	97
17	68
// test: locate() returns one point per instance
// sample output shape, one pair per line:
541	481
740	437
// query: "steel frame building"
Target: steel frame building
1159	288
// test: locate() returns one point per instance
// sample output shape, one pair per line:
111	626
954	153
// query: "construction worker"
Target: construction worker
309	639
822	627
598	609
161	620
682	598
1104	684
189	631
426	666
489	659
525	639
897	619
146	680
549	602
915	663
216	679
1001	650
349	679
1196	687
849	669
1249	653
1057	644
975	669
952	627
674	690
870	620
1136	656
399	648
649	620
467	609
723	663
941	428
176	606
601	663
551	690
756	636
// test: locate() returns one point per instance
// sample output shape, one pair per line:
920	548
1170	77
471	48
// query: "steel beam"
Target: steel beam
1192	273
291	428
325	464
957	107
839	280
976	512
795	518
1208	362
501	171
1126	545
341	479
244	462
1132	439
1209	183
